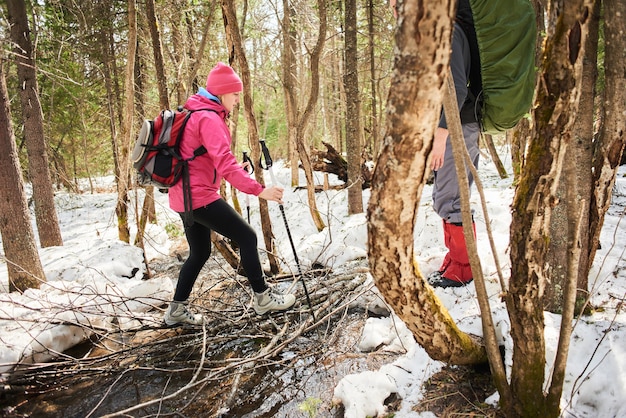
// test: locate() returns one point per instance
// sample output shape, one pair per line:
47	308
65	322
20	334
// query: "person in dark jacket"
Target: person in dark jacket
210	211
455	269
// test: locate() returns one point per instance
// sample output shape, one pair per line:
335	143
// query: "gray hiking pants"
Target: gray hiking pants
446	194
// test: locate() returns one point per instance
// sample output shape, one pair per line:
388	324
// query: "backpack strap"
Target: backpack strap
201	150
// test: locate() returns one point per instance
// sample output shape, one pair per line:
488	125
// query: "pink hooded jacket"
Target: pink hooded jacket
206	171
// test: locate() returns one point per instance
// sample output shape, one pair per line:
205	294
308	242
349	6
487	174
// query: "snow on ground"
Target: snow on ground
94	282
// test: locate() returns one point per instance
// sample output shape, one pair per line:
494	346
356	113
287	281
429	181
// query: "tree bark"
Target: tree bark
18	239
192	77
353	114
576	181
495	157
373	143
413	109
554	114
111	84
232	30
290	69
148	209
126	134
39	171
302	124
157	52
609	147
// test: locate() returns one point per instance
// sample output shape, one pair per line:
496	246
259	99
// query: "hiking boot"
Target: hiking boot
436	279
178	314
271	300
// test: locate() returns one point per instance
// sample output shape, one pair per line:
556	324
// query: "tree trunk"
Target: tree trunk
39	171
577	182
554	114
373	142
290	69
126	133
338	67
18	239
232	32
517	138
494	156
148	209
353	114
192	77
178	48
302	124
157	51
609	147
414	107
105	41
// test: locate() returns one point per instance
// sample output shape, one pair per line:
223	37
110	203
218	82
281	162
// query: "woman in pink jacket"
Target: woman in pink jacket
210	211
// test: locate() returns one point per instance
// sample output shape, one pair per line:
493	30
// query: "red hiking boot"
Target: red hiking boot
455	271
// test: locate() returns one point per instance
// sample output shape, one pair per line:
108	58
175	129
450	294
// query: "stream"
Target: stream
237	365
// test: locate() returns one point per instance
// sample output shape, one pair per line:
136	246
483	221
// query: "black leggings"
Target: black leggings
223	219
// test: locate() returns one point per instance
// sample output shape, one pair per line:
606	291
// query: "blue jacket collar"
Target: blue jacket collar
205	93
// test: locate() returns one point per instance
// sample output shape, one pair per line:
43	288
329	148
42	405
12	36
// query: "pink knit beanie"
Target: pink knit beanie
222	80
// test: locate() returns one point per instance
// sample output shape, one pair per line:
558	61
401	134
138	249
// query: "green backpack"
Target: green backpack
506	32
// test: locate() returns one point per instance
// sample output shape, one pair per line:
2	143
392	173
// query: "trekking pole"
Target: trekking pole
249	161
268	166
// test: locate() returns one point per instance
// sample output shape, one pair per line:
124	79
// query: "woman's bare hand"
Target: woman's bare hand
274	194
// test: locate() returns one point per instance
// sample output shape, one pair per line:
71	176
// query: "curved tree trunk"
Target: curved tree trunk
413	107
192	77
39	170
303	150
148	210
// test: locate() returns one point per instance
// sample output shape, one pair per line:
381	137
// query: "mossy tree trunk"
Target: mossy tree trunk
554	115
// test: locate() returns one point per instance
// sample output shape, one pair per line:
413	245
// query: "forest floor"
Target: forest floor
237	365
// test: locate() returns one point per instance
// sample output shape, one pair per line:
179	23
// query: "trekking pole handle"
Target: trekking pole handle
268	161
